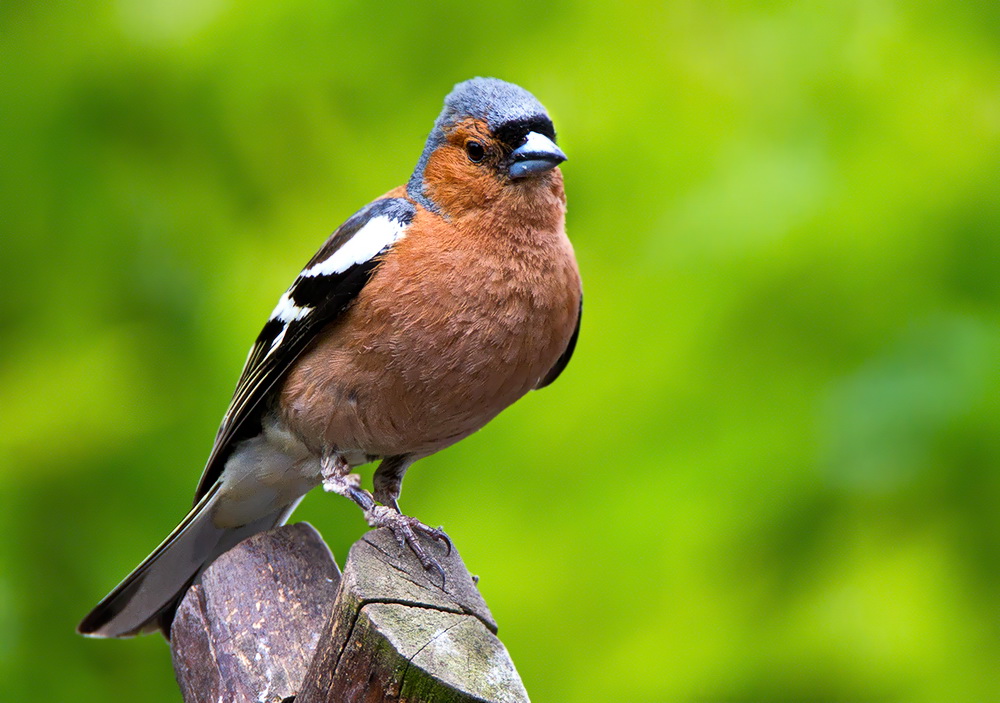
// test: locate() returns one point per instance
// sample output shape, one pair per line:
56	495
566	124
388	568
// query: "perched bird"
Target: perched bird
423	316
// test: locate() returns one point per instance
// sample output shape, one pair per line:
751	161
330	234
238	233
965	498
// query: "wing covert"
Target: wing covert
327	285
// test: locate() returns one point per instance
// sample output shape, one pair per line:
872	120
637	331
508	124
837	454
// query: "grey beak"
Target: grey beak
538	154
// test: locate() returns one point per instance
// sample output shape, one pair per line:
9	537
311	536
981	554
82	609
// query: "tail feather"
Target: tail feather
154	588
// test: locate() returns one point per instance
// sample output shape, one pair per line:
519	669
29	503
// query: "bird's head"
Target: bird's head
492	139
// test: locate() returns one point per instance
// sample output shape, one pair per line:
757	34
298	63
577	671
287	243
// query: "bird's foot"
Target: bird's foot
336	476
406	529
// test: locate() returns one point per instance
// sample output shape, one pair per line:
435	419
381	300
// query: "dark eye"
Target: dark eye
475	150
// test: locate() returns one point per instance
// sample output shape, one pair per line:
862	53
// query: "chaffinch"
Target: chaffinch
423	316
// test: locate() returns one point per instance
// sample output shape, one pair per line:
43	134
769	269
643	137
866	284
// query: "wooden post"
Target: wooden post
247	632
273	621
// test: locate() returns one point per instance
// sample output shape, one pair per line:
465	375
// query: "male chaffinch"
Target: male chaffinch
423	316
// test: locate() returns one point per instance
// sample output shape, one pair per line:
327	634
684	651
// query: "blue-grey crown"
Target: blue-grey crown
491	99
499	103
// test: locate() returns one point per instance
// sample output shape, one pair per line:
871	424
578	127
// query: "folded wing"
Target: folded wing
319	295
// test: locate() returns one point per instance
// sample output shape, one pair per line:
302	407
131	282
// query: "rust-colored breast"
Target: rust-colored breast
461	318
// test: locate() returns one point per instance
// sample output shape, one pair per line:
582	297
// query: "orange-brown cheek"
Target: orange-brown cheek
455	184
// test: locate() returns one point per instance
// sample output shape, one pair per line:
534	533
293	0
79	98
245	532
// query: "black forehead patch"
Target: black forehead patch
497	102
513	133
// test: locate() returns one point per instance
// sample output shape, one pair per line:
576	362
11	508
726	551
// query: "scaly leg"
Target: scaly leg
388	479
337	478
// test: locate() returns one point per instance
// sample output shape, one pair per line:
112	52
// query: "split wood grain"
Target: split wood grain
273	621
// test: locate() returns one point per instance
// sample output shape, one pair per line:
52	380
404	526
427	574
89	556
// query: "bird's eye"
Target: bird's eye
475	150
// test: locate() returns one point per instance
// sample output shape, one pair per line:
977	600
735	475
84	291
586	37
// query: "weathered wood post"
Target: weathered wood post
273	620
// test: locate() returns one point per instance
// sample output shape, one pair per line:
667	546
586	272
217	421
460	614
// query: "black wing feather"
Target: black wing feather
563	360
280	343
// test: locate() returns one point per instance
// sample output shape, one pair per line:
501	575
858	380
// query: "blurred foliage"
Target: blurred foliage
771	472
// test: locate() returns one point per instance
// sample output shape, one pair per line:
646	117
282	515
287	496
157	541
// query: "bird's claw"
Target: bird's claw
444	538
405	529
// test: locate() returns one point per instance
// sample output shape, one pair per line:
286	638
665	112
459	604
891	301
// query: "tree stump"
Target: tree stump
272	620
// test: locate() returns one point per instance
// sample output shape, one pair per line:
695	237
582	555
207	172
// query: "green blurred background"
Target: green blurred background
771	471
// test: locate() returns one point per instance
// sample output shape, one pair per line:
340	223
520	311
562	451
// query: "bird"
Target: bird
421	318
